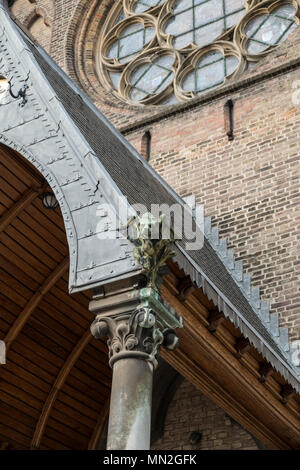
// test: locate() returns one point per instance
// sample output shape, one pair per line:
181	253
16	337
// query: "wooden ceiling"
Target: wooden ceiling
56	383
54	389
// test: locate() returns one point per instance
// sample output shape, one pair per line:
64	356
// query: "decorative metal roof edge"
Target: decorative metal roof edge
235	268
261	308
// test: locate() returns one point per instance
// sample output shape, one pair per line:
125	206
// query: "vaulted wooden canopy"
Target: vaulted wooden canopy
55	385
54	389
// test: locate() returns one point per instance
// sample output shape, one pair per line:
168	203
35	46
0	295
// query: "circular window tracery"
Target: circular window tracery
150	77
163	52
140	6
130	41
210	71
270	29
200	22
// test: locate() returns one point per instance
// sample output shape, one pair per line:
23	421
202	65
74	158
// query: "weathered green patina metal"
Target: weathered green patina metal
165	314
137	322
151	251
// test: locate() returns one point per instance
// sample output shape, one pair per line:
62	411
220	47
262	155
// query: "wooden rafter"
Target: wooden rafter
99	428
17	164
25	200
215	319
242	346
34	302
185	288
59	382
265	371
212	366
287	392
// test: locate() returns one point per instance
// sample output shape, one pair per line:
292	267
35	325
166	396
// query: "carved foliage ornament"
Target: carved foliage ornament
162	52
152	249
140	331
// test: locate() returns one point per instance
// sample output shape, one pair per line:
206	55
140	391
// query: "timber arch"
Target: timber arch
231	348
50	396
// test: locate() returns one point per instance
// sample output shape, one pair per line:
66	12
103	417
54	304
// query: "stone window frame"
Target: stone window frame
232	42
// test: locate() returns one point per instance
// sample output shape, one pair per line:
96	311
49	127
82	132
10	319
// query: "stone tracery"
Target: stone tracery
169	51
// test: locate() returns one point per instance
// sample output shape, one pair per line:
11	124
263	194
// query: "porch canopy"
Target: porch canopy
55	385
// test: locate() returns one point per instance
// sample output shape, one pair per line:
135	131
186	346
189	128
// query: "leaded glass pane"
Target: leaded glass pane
202	21
233	19
211	71
268	30
143	5
149	79
208	12
131	41
191	22
170	100
184	40
115	78
204	36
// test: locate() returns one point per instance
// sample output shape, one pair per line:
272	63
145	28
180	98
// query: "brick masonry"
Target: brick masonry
250	186
38	18
192	411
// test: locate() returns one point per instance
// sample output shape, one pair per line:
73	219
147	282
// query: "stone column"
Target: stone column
137	322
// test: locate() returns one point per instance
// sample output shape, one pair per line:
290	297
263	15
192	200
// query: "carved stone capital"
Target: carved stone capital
136	323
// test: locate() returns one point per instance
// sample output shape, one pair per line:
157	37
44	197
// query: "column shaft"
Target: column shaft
130	408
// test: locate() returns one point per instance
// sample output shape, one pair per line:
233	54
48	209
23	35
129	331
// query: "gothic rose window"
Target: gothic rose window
162	52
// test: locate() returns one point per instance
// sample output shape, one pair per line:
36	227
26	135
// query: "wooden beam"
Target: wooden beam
57	386
24	201
185	288
225	400
242	346
208	363
215	319
17	164
287	392
34	301
265	371
99	427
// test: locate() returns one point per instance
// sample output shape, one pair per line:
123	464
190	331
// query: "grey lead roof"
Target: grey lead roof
212	267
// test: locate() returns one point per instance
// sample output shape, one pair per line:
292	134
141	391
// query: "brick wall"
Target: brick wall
38	18
250	186
190	411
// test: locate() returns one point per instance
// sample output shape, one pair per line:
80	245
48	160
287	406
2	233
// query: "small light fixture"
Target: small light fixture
49	200
4	86
195	437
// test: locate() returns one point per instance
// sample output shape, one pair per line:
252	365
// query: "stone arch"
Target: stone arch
38	12
76	32
81	35
40	26
36	19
